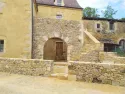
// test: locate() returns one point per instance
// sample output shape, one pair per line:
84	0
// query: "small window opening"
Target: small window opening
111	25
59	2
98	25
1	45
59	16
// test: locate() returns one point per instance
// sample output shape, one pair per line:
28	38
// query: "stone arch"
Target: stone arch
120	40
122	44
55	49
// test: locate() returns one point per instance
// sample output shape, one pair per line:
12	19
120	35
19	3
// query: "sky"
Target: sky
118	5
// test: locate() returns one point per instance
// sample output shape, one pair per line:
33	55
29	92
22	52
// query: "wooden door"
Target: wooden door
59	51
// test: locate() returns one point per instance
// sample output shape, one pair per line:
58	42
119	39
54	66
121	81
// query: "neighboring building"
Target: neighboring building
111	32
55	30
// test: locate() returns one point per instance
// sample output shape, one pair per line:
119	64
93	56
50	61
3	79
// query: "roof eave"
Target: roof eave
104	19
58	6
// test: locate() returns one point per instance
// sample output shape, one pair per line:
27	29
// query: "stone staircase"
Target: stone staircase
88	53
60	70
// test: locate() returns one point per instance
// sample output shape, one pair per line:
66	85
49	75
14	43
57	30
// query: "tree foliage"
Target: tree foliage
91	12
109	12
123	19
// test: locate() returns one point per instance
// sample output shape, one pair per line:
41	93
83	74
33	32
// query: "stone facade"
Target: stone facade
26	67
105	33
113	74
69	31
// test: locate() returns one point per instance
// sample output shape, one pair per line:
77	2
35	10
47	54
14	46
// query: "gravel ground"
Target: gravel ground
20	84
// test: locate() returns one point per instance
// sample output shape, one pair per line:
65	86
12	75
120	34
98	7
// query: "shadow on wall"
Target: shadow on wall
55	49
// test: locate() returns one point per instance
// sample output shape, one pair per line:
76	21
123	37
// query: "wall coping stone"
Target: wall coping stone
80	62
23	59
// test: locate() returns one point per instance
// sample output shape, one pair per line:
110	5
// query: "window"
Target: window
111	25
59	16
1	45
59	2
98	25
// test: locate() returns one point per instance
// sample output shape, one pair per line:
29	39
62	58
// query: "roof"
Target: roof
108	41
67	3
104	19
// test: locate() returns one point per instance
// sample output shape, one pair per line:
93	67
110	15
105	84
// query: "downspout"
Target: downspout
32	23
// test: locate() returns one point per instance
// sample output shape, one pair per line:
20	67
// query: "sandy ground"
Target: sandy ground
20	84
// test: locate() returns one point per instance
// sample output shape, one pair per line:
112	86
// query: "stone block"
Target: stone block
107	81
115	83
48	68
122	83
72	77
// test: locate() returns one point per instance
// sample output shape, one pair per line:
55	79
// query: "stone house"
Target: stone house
111	32
55	30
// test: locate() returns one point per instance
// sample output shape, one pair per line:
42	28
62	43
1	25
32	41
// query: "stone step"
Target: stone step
108	61
61	63
60	69
62	76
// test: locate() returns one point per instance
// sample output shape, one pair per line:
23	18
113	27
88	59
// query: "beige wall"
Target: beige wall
15	28
51	12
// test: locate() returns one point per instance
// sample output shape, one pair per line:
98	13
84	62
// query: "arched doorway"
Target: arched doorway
55	49
122	44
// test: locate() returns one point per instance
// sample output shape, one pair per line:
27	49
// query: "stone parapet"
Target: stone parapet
34	67
111	57
113	74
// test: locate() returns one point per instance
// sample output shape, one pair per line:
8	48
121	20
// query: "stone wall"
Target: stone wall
69	31
105	33
90	50
111	57
113	74
26	67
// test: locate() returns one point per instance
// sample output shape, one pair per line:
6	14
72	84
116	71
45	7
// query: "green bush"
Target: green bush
120	52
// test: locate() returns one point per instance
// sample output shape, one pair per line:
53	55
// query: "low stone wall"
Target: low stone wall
26	67
111	57
113	74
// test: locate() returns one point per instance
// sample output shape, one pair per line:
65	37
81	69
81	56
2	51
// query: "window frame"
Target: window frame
111	26
3	46
98	24
59	2
98	30
59	16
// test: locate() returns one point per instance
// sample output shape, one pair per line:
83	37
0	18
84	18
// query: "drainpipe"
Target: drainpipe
32	29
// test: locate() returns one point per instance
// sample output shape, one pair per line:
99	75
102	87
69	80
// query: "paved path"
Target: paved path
20	84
